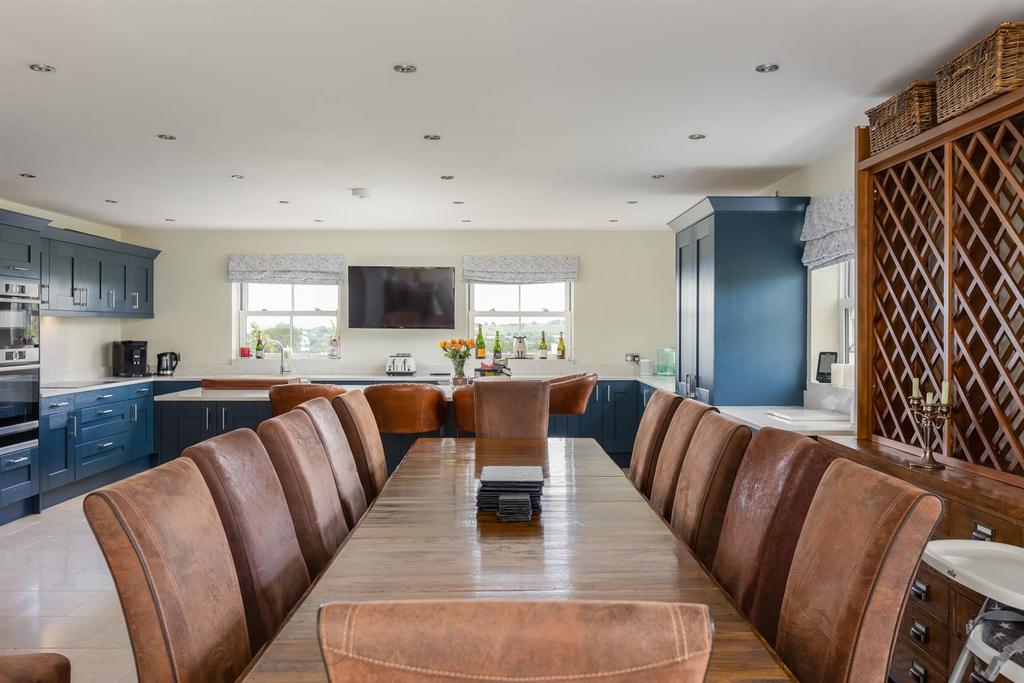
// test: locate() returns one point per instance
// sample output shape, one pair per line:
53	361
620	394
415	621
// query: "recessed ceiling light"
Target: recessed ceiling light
169	220
318	220
457	201
166	136
613	220
632	201
766	68
466	220
42	68
696	136
447	177
110	201
431	136
405	68
26	175
657	176
237	176
283	201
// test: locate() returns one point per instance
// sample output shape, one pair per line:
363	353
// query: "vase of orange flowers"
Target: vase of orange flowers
457	351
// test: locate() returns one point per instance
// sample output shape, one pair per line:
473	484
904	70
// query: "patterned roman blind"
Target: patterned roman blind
299	269
829	233
520	270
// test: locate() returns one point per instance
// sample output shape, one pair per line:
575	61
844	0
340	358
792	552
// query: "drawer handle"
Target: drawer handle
917	673
105	445
980	532
919	590
102	397
143	390
16	461
20	269
108	411
919	631
60	404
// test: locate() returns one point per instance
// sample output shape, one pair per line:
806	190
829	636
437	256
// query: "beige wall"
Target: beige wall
624	297
829	175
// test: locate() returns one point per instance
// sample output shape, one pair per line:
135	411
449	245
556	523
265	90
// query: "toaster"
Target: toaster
400	364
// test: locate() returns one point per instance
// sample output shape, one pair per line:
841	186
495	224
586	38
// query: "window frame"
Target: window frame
244	312
570	345
847	305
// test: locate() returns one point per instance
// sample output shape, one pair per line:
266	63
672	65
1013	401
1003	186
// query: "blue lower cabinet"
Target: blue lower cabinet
93	457
19	474
186	423
56	450
620	416
140	426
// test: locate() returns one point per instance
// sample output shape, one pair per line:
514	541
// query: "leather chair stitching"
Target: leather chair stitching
293	471
675	631
677	615
352	634
515	679
133	539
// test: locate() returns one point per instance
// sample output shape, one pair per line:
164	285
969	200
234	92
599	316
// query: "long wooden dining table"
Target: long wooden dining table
595	538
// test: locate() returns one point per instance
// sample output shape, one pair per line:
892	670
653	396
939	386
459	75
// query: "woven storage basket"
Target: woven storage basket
987	69
902	116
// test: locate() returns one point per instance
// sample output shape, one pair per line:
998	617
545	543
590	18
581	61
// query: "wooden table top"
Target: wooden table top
596	538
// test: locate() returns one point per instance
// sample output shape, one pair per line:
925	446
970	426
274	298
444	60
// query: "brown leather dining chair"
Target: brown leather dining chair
339	454
770	497
571	393
857	554
272	573
305	474
286	397
465	412
705	482
402	408
649	436
35	667
673	450
495	640
363	436
168	554
511	410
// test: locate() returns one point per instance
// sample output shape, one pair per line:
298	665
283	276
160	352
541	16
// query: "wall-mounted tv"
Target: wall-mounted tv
386	297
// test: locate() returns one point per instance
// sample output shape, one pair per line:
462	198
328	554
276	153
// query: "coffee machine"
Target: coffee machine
166	362
129	358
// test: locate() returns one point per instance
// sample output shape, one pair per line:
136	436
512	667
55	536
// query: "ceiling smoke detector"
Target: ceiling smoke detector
361	192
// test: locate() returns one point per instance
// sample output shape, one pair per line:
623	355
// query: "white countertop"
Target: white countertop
757	417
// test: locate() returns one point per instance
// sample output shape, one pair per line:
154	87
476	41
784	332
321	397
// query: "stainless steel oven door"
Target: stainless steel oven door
19	399
19	330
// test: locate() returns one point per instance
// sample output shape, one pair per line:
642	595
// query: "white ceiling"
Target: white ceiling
554	113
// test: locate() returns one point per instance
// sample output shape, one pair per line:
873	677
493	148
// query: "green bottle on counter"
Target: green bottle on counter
542	348
561	346
497	345
481	345
259	345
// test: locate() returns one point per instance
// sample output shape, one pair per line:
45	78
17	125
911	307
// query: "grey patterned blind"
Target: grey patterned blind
300	269
829	233
520	270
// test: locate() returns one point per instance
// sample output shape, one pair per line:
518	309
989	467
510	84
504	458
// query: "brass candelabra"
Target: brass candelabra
930	417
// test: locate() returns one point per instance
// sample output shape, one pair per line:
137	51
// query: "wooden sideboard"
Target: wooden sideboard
933	626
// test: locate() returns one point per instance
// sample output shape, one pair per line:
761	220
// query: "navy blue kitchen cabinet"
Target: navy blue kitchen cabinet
611	419
60	292
140	426
741	301
57	450
140	286
114	282
19	252
186	423
19	474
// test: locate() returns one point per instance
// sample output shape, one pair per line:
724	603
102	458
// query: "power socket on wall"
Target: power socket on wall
633	358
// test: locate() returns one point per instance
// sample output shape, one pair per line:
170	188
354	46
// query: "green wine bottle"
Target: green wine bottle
561	346
259	345
497	345
481	344
542	348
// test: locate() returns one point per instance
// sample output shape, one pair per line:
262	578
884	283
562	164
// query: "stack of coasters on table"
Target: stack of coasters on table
512	492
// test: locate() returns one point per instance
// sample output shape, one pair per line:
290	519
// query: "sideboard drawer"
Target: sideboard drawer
982	526
926	631
930	591
909	665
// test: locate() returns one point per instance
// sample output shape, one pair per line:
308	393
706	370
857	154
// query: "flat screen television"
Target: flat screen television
386	297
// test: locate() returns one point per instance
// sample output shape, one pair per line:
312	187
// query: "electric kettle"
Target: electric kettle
167	362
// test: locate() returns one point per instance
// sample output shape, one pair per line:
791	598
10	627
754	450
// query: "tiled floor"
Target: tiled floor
56	594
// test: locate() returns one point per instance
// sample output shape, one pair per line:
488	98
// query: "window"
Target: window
525	310
302	318
832	313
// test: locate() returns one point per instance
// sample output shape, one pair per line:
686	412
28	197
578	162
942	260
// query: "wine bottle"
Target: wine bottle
481	344
542	348
561	346
259	345
497	345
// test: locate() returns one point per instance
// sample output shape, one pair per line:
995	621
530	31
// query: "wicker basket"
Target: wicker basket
902	116
987	69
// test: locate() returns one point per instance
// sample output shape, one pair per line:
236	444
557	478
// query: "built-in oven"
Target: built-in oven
19	362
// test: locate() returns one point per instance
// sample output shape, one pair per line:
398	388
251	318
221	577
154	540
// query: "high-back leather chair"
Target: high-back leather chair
402	408
271	572
511	410
364	439
649	436
857	554
570	394
673	450
494	640
166	548
36	667
465	411
705	482
339	454
286	397
770	497
306	477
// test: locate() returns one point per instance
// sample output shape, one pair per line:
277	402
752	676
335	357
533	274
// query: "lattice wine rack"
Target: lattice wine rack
941	263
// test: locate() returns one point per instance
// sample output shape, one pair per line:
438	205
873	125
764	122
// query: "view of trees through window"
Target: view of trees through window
523	310
302	318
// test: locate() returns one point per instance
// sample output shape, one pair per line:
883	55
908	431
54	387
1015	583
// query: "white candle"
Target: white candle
945	392
930	398
915	387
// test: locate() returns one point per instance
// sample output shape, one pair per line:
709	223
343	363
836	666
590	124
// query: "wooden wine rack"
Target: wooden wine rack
941	283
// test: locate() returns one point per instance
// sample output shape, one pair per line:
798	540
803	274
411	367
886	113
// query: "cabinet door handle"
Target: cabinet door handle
917	673
17	460
980	532
60	404
46	288
105	445
608	392
919	631
20	269
207	418
223	419
110	298
919	590
103	397
74	425
108	411
143	390
85	299
135	413
135	300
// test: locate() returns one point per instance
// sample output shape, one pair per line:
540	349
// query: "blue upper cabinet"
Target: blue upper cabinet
20	245
741	301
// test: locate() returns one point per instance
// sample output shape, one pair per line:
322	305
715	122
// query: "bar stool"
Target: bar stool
37	667
465	413
286	397
406	408
570	394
